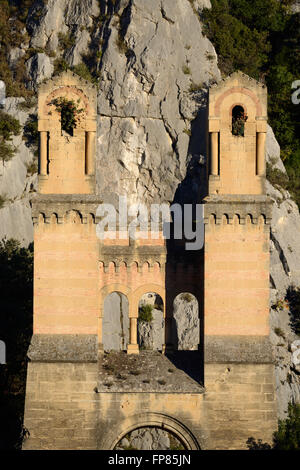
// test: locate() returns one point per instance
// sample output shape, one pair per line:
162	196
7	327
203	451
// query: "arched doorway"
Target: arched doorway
151	322
239	119
186	322
115	324
121	429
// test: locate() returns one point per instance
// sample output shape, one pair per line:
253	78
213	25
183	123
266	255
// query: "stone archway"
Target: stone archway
150	438
151	420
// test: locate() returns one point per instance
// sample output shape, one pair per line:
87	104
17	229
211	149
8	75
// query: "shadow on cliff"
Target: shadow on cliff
185	268
16	287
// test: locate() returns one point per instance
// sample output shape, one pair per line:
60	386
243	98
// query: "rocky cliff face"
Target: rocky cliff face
154	67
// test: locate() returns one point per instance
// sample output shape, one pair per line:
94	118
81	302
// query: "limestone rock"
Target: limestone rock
186	323
115	322
151	334
74	55
57	16
15	54
146	106
273	151
39	68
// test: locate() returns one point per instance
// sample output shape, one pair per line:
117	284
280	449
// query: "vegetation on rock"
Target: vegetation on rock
288	435
69	111
145	313
9	127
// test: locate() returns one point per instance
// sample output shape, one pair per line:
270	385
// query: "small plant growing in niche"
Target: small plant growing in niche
145	313
69	111
239	118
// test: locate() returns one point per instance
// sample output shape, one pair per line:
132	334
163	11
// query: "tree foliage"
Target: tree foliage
9	126
287	437
16	287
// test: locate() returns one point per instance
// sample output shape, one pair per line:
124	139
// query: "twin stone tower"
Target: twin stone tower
90	380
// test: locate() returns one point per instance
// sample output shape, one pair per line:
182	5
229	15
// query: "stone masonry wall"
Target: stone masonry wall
239	402
61	406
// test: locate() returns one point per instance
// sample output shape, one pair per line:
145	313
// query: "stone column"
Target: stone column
214	145
133	347
43	153
260	153
89	152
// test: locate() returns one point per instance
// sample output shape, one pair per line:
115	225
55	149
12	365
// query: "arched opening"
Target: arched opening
150	438
69	113
151	322
186	322
116	433
239	119
115	324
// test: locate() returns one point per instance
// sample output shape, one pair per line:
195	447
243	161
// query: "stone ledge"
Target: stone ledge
63	348
238	349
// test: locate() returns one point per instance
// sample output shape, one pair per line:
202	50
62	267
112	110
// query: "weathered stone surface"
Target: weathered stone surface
148	371
151	334
57	16
15	54
115	324
145	103
186	323
63	348
238	349
150	439
74	55
39	68
273	151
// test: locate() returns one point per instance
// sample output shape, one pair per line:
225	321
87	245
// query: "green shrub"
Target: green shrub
145	313
69	112
60	65
2	201
293	298
66	41
186	297
279	332
28	103
30	132
186	70
9	127
288	435
32	168
194	87
83	71
277	177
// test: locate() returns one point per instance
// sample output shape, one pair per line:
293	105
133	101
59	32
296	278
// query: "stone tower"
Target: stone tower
91	381
239	362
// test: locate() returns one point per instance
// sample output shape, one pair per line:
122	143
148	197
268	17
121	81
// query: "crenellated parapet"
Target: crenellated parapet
230	210
59	209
